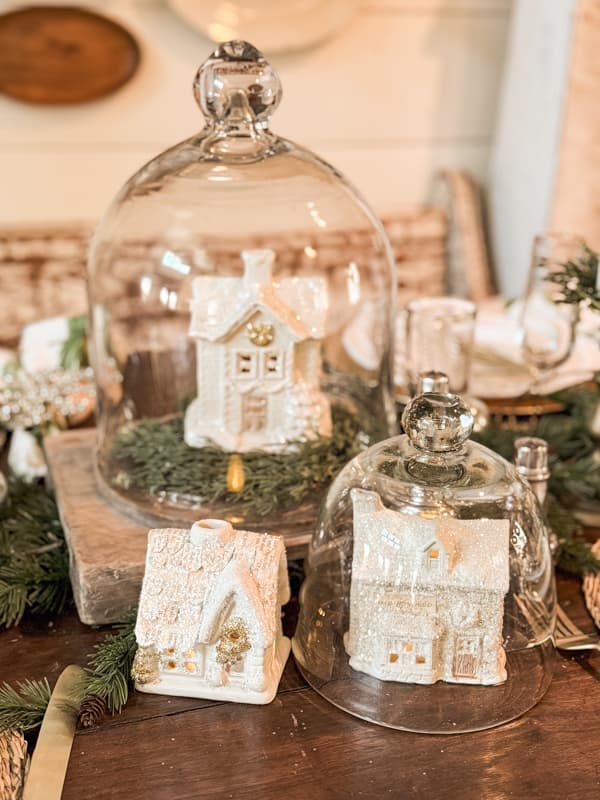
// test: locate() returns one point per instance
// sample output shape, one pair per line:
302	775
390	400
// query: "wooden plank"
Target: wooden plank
107	550
107	543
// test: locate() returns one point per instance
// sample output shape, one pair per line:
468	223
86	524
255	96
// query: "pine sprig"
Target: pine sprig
34	570
23	708
109	668
153	457
576	280
74	352
575	472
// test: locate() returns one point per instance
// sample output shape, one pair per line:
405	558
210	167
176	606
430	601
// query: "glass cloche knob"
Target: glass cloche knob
237	78
433	381
437	422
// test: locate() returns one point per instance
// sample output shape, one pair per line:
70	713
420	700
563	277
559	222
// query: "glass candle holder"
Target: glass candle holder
547	328
439	336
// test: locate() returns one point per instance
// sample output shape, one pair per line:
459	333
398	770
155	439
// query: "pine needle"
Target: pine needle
23	708
74	353
153	457
109	667
34	570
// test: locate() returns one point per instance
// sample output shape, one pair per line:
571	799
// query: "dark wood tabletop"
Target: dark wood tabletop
301	748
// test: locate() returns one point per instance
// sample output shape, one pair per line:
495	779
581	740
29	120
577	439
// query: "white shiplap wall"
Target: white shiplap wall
407	87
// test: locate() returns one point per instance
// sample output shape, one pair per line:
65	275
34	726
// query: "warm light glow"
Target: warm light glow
236	479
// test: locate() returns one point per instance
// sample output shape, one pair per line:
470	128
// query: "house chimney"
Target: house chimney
211	530
257	267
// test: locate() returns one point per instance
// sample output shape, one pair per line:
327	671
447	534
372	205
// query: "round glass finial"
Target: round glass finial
437	422
237	76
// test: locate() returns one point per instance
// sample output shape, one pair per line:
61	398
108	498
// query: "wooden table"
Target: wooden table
300	747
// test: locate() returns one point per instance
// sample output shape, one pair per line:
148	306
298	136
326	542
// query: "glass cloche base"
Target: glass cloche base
443	708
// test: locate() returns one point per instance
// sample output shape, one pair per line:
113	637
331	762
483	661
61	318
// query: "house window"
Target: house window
434	559
245	365
405	654
272	365
254	412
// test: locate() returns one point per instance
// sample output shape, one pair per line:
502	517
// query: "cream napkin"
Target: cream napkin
497	369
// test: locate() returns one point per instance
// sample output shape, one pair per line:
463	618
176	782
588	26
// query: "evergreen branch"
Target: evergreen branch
109	667
23	708
153	457
576	280
74	352
34	573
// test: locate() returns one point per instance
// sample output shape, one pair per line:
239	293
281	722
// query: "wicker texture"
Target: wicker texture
42	270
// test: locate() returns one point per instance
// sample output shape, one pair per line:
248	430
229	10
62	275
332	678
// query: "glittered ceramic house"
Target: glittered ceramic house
209	617
258	359
438	613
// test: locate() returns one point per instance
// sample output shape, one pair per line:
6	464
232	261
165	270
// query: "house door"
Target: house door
254	412
467	656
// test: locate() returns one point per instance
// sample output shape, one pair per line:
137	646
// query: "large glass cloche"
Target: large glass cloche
225	283
429	599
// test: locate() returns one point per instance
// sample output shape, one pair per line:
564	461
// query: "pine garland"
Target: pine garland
577	280
575	472
23	708
74	351
34	568
107	683
153	457
109	668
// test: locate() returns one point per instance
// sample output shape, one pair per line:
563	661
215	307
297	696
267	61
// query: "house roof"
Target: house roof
189	581
221	304
390	546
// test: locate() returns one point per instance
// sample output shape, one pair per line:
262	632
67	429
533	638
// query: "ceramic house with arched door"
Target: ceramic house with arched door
209	616
258	344
427	595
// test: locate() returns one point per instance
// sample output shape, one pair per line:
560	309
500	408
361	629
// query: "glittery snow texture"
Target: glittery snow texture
196	584
427	596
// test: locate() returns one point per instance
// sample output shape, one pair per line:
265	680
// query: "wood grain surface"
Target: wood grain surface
58	55
302	748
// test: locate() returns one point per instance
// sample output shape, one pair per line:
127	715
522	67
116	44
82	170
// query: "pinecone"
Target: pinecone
91	710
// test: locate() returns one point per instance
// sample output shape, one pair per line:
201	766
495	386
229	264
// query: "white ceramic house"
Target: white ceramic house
427	596
209	617
258	359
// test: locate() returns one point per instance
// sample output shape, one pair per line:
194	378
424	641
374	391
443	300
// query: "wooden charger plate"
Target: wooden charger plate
58	55
526	406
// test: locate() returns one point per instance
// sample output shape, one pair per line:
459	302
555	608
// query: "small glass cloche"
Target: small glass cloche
223	281
429	598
